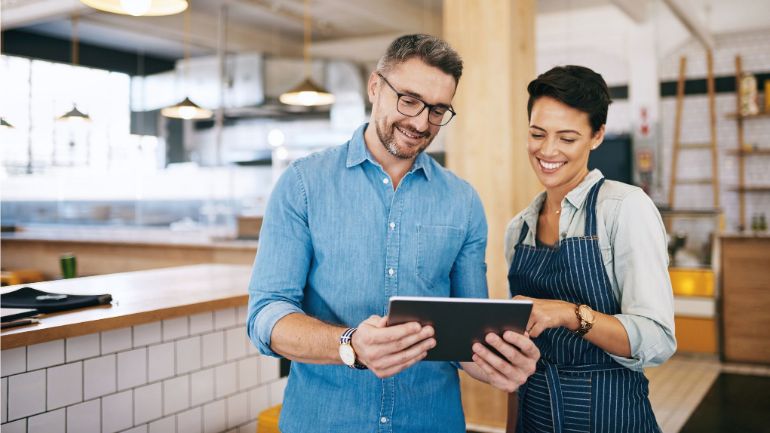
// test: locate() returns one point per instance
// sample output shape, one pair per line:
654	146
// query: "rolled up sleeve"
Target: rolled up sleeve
281	266
641	269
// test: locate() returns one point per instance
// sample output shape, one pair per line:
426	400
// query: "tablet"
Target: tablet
459	322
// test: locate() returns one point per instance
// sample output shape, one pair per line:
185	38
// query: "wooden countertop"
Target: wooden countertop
137	297
745	235
142	236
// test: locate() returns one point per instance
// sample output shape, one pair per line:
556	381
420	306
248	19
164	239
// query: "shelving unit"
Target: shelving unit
743	151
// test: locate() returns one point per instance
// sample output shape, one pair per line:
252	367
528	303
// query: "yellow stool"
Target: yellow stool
267	421
20	276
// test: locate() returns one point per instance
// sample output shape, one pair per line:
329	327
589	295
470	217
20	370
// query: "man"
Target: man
349	227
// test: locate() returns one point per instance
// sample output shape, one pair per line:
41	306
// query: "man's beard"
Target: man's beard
388	140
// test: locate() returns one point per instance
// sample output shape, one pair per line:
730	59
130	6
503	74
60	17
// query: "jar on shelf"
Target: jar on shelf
748	94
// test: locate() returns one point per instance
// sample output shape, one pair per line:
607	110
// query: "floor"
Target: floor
678	387
681	384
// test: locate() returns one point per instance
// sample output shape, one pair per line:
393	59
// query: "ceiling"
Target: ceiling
356	30
269	26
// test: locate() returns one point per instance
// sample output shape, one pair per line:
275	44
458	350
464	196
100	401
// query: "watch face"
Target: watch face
587	313
347	354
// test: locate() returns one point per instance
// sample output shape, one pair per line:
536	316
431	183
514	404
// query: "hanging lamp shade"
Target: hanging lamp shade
4	124
186	109
74	115
152	8
308	94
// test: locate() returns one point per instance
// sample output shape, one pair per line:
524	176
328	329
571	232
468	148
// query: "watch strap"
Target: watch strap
347	338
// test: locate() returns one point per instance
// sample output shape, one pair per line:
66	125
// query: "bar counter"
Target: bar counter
109	249
169	354
745	297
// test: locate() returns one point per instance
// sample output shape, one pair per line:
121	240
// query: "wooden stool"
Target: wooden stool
267	421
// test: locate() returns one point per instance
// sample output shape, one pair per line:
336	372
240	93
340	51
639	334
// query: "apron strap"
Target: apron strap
590	229
554	385
523	233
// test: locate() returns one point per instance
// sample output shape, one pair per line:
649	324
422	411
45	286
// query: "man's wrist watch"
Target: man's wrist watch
586	319
347	354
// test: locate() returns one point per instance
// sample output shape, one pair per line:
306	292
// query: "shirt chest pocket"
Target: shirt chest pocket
437	249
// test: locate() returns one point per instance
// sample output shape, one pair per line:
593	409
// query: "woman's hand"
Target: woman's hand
549	313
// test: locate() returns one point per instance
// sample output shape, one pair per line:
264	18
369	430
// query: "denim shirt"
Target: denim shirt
632	239
336	242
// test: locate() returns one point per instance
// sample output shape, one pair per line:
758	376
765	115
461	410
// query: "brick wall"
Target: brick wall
190	374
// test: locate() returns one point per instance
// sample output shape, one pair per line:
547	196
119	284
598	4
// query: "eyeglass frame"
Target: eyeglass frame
424	104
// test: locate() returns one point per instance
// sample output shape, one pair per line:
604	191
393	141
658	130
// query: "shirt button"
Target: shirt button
384	420
386	181
391	272
564	234
392	226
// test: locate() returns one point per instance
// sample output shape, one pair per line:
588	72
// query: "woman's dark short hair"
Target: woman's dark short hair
576	86
432	50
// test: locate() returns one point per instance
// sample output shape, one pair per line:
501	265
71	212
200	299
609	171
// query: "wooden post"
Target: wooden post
486	142
713	115
677	131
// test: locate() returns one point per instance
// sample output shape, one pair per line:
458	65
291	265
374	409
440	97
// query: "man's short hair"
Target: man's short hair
576	86
432	50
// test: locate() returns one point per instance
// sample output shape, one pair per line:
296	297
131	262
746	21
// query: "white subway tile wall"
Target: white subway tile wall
4	400
132	368
148	403
99	376
26	394
176	328
117	412
65	385
165	425
191	421
85	417
85	346
200	323
13	361
156	377
754	49
45	354
49	422
116	340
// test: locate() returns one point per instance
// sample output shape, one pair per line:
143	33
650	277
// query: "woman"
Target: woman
591	254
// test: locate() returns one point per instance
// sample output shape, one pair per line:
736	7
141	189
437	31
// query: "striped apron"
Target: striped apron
577	387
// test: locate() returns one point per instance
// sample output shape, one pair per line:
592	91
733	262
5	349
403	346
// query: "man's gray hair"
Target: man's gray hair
430	49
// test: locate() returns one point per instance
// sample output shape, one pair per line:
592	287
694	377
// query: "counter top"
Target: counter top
138	297
204	237
745	235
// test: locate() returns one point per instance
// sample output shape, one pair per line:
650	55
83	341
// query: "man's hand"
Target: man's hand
506	374
387	350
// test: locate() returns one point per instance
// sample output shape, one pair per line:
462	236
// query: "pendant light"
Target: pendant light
137	8
307	93
4	124
186	109
74	115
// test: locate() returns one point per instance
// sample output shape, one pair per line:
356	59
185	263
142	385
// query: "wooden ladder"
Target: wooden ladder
678	145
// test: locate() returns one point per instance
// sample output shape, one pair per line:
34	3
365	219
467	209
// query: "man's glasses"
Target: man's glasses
438	115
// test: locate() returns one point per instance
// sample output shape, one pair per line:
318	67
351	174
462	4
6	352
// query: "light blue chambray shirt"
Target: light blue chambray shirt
632	238
336	242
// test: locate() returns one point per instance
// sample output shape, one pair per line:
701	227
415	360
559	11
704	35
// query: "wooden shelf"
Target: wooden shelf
689	213
749	152
758	188
750	116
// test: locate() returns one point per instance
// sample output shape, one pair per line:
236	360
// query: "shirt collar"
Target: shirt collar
358	153
576	197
